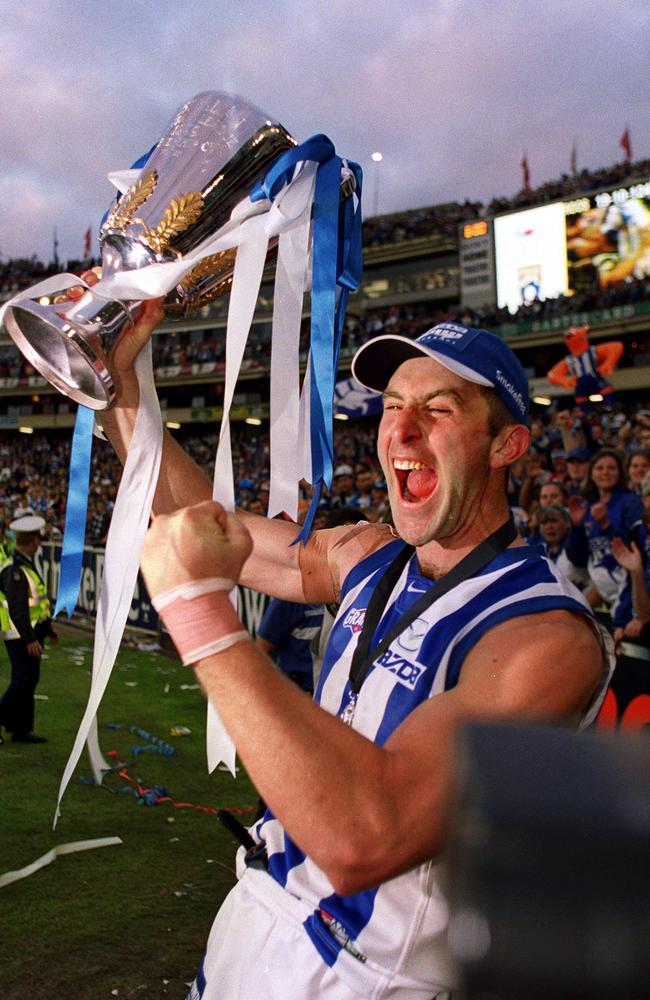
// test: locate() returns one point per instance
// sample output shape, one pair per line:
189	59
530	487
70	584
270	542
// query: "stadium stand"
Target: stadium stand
411	282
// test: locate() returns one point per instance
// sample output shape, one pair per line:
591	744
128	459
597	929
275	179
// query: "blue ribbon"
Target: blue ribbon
336	269
75	512
74	531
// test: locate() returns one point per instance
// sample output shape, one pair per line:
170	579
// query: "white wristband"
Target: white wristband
193	588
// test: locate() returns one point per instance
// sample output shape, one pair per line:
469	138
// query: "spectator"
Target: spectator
609	511
343	492
554	525
577	471
637	464
553	493
363	482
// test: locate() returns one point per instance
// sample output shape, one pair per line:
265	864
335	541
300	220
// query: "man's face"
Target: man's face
577	470
363	481
343	485
29	543
434	449
551	493
553	530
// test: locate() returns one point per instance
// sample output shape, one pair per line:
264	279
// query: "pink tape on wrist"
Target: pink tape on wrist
202	625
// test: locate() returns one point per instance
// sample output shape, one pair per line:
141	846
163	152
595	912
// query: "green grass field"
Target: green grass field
129	920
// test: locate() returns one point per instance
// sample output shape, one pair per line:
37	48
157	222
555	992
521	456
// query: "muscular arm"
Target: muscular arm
391	803
274	564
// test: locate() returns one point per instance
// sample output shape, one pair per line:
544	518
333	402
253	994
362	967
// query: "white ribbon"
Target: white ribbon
249	229
304	425
124	179
247	276
49	286
128	527
291	280
56	852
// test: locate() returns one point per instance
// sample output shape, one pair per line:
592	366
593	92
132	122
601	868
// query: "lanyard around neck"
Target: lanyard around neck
469	566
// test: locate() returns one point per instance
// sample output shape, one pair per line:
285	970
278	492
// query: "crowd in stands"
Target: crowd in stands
583	490
412	319
569	185
21	272
396	227
34	474
184	349
436	220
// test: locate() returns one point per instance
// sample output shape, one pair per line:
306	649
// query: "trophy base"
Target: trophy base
64	346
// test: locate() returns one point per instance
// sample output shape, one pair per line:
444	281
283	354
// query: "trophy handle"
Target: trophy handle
69	343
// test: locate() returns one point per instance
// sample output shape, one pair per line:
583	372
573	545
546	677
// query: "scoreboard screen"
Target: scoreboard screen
608	237
530	255
584	244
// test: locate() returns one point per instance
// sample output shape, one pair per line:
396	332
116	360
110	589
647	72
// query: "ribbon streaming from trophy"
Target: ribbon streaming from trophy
223	186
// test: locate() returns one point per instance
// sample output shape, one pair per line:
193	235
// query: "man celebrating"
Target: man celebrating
448	620
25	623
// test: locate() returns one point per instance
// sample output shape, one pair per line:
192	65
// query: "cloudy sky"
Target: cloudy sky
450	91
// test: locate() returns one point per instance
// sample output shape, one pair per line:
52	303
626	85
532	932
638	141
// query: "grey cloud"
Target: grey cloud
451	91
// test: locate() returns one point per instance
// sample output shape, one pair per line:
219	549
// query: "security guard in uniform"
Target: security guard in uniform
24	625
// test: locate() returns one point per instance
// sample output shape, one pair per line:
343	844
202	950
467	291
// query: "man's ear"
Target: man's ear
508	445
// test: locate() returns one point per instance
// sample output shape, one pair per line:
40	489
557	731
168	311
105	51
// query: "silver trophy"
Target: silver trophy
206	163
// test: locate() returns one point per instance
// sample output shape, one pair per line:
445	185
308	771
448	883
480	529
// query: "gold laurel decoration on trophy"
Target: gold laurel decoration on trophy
181	213
122	212
215	264
209	267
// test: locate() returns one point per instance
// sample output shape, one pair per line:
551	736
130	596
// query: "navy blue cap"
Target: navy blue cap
475	355
579	455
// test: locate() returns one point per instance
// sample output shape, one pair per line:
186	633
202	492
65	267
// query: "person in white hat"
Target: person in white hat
24	624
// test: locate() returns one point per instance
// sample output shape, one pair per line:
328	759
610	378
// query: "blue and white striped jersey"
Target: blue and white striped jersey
399	927
583	365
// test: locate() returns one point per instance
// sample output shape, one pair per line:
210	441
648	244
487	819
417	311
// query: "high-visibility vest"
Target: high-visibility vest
39	605
4	557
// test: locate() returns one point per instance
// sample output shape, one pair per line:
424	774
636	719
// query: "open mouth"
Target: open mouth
416	480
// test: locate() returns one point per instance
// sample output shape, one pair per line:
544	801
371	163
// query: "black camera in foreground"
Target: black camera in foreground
549	865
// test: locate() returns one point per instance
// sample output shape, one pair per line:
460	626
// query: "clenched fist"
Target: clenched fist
194	543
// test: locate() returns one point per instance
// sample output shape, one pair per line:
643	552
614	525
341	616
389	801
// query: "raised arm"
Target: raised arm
181	481
275	566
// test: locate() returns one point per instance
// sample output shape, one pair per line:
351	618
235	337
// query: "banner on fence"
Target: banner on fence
142	614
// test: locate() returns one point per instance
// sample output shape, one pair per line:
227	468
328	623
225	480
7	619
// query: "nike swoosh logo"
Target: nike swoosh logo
411	589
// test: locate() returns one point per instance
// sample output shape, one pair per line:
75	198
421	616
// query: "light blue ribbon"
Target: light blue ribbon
75	512
74	531
336	262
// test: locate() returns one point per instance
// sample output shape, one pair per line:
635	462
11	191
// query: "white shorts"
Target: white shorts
258	948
